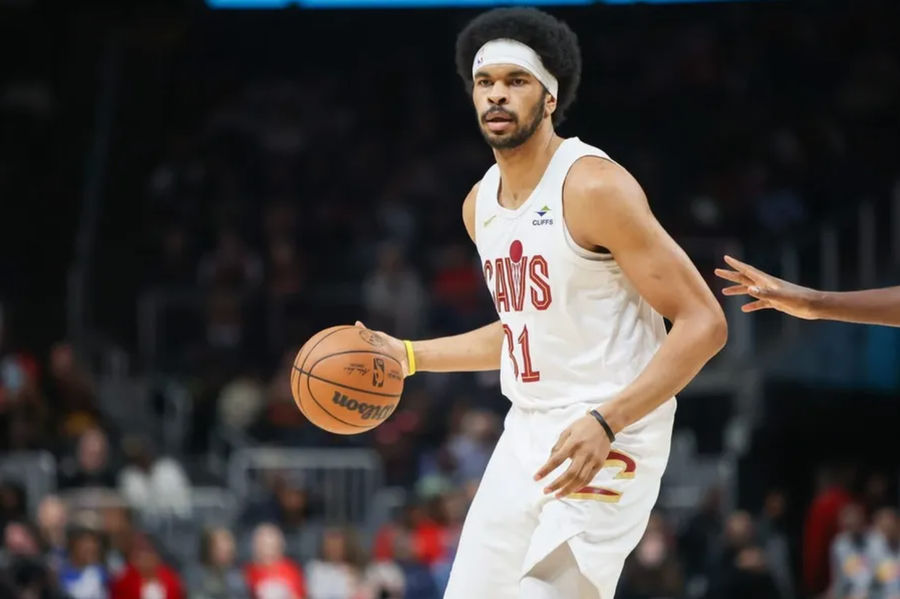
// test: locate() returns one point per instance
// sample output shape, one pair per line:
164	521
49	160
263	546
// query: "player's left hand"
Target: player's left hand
586	444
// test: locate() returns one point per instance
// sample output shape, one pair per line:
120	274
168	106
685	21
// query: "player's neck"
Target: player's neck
521	168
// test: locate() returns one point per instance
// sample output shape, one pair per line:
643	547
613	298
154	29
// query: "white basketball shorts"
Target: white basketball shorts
511	525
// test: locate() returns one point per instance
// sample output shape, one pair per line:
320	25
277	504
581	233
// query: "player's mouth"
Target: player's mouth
497	122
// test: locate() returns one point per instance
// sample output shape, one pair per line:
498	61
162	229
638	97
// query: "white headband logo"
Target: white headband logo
507	51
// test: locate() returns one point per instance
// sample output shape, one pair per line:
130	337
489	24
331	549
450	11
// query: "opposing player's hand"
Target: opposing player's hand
769	291
586	444
393	347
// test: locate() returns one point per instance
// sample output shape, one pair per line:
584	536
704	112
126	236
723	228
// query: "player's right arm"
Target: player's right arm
870	306
472	351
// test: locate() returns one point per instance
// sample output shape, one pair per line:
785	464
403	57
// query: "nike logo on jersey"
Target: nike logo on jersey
490	220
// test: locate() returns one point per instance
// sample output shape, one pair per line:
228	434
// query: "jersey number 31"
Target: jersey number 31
529	375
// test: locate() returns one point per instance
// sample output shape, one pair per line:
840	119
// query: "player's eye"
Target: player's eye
483	83
518	82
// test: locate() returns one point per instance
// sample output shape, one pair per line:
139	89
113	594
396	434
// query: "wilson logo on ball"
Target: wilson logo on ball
368	412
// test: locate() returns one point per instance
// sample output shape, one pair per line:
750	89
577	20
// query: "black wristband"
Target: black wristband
604	424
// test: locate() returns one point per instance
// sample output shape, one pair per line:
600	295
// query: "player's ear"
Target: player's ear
549	104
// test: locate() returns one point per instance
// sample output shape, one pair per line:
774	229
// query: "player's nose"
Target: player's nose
498	95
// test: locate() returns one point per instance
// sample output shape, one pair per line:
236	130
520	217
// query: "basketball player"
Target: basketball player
870	306
580	272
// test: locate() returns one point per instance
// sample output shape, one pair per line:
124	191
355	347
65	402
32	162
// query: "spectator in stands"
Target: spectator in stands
271	575
146	575
175	269
457	287
883	551
285	269
71	392
417	579
91	467
850	565
699	541
741	571
24	414
822	524
773	537
653	571
240	403
336	574
288	508
155	486
384	577
21	558
118	527
232	265
52	519
83	575
472	445
217	576
393	295
12	502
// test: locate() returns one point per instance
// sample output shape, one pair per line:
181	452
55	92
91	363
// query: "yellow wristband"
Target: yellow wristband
410	357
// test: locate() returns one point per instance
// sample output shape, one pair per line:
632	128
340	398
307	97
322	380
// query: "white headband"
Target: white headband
507	51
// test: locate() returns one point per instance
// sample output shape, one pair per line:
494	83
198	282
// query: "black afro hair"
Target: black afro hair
554	42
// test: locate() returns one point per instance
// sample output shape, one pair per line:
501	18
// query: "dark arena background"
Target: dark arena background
189	191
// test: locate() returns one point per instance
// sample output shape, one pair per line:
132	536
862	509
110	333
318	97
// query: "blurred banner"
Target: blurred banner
276	4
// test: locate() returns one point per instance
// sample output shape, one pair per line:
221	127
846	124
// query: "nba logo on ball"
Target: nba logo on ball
334	387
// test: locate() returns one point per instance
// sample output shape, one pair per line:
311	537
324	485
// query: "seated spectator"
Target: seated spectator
271	575
394	297
653	571
52	518
850	566
217	576
71	392
91	466
154	486
417	578
742	571
20	557
773	537
883	549
146	575
118	526
289	509
12	502
83	575
336	574
232	265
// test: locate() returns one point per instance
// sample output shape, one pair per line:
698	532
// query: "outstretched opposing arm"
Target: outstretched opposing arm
475	350
870	306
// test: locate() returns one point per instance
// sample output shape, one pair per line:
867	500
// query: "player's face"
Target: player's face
510	103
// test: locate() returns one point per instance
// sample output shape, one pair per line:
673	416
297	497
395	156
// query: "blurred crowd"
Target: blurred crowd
269	197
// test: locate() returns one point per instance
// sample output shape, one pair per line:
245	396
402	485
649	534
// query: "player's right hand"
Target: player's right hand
393	347
769	292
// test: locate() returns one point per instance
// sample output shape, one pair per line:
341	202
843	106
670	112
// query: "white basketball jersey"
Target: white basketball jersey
576	329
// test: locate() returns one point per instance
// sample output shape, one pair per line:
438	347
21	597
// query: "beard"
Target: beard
520	134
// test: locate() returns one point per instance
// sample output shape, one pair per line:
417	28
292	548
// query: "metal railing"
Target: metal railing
34	470
345	480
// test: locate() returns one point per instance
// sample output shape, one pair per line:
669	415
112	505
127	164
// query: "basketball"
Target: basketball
344	381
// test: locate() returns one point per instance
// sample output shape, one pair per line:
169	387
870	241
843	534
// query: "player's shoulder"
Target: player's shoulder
468	210
596	179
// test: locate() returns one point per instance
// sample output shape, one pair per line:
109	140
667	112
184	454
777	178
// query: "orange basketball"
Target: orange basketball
344	381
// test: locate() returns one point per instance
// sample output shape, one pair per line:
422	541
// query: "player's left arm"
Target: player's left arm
605	207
